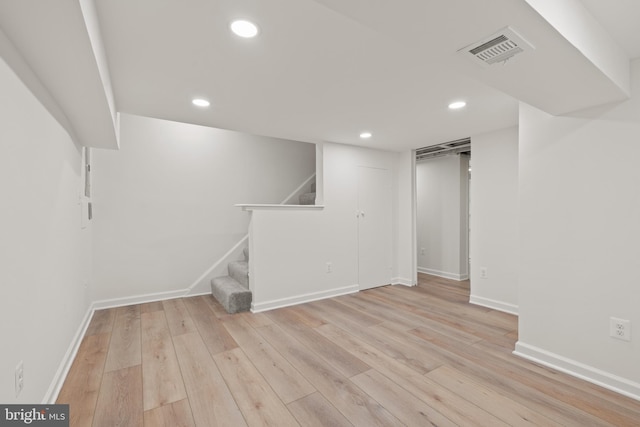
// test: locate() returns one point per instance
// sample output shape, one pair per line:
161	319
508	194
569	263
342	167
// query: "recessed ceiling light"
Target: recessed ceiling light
456	105
200	102
366	135
244	28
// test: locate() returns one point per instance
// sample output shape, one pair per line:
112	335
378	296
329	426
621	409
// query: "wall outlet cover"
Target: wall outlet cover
620	328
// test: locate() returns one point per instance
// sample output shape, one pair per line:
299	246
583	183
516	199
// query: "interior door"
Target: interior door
374	227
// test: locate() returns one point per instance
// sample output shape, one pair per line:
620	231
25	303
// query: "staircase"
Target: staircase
308	198
232	291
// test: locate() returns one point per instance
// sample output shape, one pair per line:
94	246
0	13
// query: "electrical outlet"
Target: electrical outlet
620	328
19	377
483	273
329	267
421	251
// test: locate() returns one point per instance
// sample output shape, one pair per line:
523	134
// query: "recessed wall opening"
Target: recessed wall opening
442	209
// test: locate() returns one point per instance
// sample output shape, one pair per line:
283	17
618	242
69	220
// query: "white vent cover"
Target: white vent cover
498	47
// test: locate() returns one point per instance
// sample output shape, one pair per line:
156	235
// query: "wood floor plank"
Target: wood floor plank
82	385
357	316
257	401
161	378
404	352
256	320
407	408
341	360
154	326
150	307
176	414
357	406
217	308
300	315
120	399
285	380
213	333
316	411
380	310
210	399
510	411
125	349
101	322
178	317
506	320
447	403
466	318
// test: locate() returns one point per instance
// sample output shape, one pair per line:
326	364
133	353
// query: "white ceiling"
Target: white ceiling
314	73
320	70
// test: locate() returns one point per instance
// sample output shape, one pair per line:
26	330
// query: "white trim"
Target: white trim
444	274
494	304
300	299
224	258
580	370
139	299
402	281
199	294
65	365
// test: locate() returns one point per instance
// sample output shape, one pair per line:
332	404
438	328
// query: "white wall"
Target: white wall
44	252
579	234
441	187
289	249
164	203
494	219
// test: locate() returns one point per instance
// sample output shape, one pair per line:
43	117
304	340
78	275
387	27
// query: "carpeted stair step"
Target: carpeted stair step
307	199
231	294
239	270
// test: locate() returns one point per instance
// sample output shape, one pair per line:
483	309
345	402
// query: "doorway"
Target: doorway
442	210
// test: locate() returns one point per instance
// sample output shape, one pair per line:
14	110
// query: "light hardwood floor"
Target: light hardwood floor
387	356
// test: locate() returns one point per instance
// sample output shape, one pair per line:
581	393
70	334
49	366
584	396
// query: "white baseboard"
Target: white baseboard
139	299
300	299
402	281
580	370
494	304
65	365
446	275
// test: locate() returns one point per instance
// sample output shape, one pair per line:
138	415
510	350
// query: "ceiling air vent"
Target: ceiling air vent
499	47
